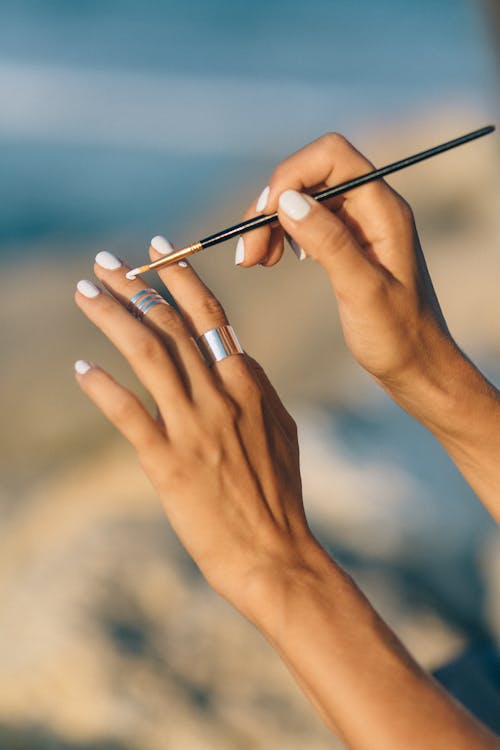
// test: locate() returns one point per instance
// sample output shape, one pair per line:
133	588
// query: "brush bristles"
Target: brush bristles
134	272
166	260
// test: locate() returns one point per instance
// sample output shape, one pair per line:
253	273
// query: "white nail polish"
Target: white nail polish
262	199
294	205
162	245
87	288
107	260
297	249
239	255
82	366
183	264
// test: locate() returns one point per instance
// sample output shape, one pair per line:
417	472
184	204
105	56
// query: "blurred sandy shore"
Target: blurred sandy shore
107	634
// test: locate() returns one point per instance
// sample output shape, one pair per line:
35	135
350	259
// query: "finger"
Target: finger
164	320
141	347
275	403
255	246
326	239
121	407
202	311
309	169
329	161
252	248
276	247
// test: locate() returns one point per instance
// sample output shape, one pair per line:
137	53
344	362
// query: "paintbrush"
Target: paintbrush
322	195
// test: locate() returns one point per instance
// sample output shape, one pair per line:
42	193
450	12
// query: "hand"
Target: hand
223	456
367	243
223	453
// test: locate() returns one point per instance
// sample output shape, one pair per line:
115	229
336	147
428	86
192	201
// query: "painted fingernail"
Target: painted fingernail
87	288
107	260
183	264
294	204
82	366
297	249
239	255
262	199
162	245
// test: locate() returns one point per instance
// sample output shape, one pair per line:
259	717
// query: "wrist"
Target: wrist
448	394
272	590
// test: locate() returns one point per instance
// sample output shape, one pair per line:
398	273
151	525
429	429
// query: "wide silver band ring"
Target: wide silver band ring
219	343
144	301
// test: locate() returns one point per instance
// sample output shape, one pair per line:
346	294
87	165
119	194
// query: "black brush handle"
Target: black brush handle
323	195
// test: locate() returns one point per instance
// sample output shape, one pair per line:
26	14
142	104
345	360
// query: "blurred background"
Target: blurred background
120	120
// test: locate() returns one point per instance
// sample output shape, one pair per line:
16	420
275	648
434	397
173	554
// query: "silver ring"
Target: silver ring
143	301
219	343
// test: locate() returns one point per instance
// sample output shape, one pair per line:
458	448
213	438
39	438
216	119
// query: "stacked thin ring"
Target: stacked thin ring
219	343
215	344
144	301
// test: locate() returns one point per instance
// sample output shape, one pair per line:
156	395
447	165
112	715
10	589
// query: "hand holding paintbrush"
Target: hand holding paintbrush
323	195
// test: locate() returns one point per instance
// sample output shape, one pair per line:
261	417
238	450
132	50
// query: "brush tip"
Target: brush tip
132	274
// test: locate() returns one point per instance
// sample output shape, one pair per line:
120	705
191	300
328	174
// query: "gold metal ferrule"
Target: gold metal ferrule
175	257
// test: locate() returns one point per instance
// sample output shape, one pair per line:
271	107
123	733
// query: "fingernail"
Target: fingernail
183	264
239	255
87	288
107	260
262	199
297	249
294	204
162	245
82	366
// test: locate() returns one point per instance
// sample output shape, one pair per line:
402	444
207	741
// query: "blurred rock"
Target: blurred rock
110	630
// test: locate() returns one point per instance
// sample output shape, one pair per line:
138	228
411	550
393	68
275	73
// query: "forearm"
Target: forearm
462	409
359	677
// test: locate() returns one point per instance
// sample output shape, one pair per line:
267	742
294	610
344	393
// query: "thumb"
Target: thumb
326	239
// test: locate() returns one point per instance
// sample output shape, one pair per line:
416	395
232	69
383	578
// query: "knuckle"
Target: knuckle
164	316
248	388
122	408
171	322
174	473
211	453
399	214
333	140
280	174
377	288
252	390
249	395
212	308
405	209
334	236
225	407
148	348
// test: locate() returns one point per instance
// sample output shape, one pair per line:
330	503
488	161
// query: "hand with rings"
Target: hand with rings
223	456
367	243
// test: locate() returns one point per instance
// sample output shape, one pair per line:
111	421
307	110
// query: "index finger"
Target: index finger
327	161
202	311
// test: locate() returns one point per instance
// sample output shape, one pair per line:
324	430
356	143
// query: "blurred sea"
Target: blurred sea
120	116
